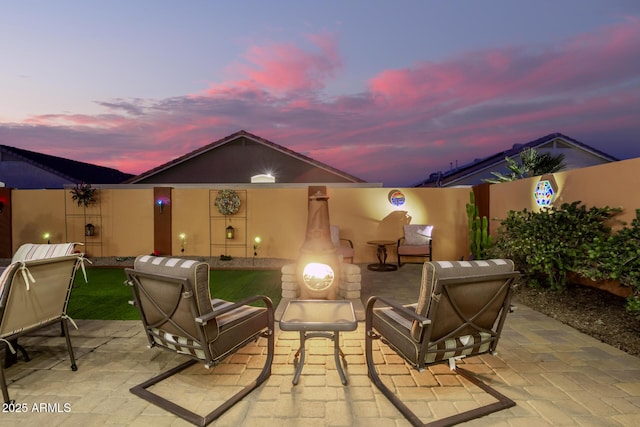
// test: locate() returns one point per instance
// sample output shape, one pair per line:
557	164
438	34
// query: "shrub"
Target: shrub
546	245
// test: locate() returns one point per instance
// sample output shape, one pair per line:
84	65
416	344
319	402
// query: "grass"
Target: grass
106	297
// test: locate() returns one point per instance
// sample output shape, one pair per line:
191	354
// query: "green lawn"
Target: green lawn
106	296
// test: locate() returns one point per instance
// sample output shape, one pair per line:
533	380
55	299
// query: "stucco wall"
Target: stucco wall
124	216
124	220
612	184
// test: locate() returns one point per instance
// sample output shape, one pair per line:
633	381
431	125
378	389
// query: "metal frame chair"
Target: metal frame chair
35	294
407	247
179	315
460	313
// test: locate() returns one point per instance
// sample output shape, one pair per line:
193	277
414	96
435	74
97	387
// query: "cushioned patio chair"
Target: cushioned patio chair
417	242
35	294
179	315
460	312
344	246
29	251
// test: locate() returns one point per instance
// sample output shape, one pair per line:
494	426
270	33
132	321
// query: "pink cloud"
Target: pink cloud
422	117
286	67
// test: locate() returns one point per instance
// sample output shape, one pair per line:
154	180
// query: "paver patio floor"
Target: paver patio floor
556	375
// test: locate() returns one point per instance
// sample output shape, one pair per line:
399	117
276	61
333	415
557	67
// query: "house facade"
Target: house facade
243	158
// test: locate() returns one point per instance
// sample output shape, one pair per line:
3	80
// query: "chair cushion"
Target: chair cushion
417	234
396	330
35	292
235	328
335	235
170	298
345	251
197	272
29	251
432	271
413	250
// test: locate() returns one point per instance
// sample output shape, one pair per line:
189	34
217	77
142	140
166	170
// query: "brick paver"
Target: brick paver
556	375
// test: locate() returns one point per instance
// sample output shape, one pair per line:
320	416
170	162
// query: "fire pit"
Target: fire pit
320	272
318	269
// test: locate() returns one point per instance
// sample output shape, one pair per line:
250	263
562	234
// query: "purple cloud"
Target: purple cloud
408	123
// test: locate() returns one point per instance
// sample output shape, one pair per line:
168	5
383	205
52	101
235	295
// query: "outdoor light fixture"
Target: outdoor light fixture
47	236
545	191
89	230
183	241
263	178
230	232
256	243
396	198
161	204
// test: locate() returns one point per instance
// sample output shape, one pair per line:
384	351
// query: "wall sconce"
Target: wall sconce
396	198
47	236
183	241
256	244
161	204
545	191
230	232
89	230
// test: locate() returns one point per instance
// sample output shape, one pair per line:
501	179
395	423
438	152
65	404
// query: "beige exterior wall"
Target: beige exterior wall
124	220
124	216
612	184
35	212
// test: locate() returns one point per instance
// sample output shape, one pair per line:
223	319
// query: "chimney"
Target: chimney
318	268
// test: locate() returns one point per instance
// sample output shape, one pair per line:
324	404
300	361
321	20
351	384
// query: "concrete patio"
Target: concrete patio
556	375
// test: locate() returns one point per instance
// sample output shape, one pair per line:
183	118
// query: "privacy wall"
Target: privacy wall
612	184
124	218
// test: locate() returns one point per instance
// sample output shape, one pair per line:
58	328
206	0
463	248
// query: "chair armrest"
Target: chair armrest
202	320
423	321
348	241
400	241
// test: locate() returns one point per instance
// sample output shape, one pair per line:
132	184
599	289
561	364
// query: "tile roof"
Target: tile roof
232	137
479	164
74	171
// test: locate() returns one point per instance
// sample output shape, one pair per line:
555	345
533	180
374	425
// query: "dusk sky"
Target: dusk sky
388	91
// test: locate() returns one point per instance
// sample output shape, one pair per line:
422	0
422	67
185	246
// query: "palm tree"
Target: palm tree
532	164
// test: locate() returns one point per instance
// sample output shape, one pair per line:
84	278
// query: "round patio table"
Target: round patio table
381	252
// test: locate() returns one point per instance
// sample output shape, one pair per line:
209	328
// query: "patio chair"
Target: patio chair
417	242
178	315
460	312
30	251
344	246
35	294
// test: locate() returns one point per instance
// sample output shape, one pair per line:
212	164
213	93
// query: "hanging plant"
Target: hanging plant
83	194
227	202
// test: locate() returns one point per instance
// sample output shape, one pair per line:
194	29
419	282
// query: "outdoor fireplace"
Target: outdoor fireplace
318	268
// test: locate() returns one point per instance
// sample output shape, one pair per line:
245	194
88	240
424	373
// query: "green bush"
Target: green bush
618	258
547	245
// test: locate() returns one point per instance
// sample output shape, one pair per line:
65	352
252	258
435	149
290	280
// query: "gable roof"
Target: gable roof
441	179
234	137
74	171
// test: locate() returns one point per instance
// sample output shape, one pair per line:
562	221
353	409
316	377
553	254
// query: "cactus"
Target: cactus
479	238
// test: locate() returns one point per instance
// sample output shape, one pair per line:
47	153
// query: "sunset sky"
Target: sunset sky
388	91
